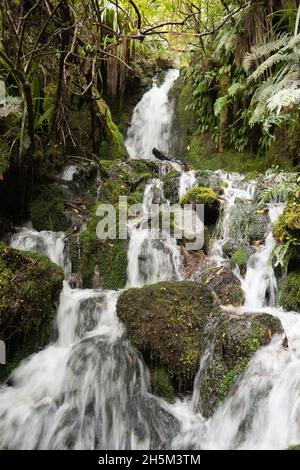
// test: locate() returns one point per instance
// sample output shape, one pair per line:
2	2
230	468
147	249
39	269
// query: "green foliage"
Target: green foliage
200	195
47	210
289	292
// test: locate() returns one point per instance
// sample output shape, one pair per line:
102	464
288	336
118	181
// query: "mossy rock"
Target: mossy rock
206	196
247	223
235	341
289	292
30	286
47	210
166	322
225	284
112	147
171	186
287	227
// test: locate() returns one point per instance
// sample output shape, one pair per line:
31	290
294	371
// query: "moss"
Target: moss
289	292
30	285
47	210
113	147
166	323
287	228
240	258
236	339
293	447
162	384
171	186
231	377
206	196
225	284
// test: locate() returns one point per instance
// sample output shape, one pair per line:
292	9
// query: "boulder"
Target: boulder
30	286
206	196
226	285
171	186
235	340
248	223
289	292
167	322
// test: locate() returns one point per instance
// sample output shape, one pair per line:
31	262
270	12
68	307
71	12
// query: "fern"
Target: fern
257	52
278	193
236	88
220	104
285	97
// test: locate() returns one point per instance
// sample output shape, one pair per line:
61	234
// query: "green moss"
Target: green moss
47	210
206	196
200	195
240	257
162	384
30	285
166	323
293	447
171	185
289	292
113	147
231	377
287	228
236	340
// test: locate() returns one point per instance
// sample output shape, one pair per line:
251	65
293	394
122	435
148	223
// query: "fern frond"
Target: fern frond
274	59
220	103
257	52
236	88
285	97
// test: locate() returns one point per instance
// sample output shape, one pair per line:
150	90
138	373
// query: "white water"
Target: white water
151	259
68	172
90	389
152	121
187	181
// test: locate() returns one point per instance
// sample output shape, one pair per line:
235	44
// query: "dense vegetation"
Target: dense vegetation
71	73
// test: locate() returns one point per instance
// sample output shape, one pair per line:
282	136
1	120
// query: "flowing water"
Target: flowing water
90	389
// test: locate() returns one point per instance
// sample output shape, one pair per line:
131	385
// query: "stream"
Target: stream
91	390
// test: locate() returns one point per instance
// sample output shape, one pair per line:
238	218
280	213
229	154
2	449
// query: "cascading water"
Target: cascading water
90	389
152	120
150	258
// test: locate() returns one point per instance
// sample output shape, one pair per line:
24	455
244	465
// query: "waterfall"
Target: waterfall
91	390
152	120
187	181
151	258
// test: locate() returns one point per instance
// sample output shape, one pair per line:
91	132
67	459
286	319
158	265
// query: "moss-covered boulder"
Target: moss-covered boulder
248	223
47	210
235	340
206	196
171	186
166	322
30	286
286	232
289	292
225	284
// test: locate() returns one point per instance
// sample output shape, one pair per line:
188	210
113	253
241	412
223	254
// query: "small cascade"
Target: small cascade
187	181
68	172
235	188
49	243
151	258
152	120
260	283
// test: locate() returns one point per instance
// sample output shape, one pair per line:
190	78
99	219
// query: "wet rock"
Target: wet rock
47	210
30	286
225	284
166	322
248	223
171	186
116	392
193	263
206	196
289	292
234	341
